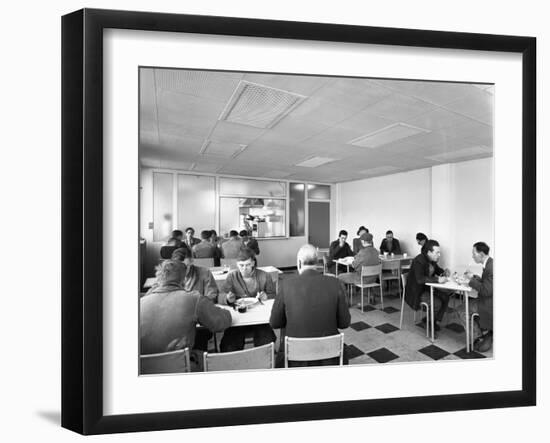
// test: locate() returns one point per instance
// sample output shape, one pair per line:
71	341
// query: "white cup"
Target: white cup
404	255
385	254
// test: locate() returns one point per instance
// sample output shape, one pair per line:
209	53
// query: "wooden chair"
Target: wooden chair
423	305
204	262
261	357
371	271
165	362
231	262
316	348
394	272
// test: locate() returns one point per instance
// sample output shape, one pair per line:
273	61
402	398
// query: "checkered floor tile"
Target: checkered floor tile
359	326
353	351
434	352
455	327
386	328
382	355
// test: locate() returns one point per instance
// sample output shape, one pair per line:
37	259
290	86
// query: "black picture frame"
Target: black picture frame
82	190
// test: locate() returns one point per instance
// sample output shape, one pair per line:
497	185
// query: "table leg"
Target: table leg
467	322
432	312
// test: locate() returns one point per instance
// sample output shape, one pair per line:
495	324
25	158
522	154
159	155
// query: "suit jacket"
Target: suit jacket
417	278
204	249
253	244
170	317
235	283
484	287
357	245
395	246
194	241
231	248
335	251
310	305
200	279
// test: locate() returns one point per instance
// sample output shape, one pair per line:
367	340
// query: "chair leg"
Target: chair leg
361	298
474	315
382	296
425	305
402	307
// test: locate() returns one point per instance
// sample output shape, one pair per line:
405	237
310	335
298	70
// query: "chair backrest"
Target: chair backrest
406	263
391	264
370	271
315	348
165	363
204	262
231	262
166	251
261	357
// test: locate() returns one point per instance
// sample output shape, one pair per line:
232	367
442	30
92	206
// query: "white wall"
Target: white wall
452	203
400	202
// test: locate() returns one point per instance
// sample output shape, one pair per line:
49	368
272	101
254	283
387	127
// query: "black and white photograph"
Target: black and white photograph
293	221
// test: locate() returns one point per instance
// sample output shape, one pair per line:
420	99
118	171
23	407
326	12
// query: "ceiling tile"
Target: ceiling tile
438	93
299	84
477	105
322	112
437	119
234	133
398	107
352	92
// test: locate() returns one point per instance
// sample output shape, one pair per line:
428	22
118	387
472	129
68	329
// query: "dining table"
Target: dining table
452	285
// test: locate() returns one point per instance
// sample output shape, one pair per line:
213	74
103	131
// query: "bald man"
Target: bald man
310	304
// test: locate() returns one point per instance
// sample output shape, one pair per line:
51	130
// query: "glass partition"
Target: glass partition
318	192
246	187
196	202
262	218
297	212
163	192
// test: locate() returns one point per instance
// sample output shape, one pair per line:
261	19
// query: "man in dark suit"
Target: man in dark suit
424	269
339	249
249	242
390	244
204	249
483	305
310	305
189	239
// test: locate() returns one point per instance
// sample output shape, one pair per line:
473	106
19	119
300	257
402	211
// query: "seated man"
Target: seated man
310	305
197	278
368	255
339	249
169	314
174	242
424	269
483	305
231	247
204	249
390	244
357	245
247	281
216	242
421	239
249	242
189	240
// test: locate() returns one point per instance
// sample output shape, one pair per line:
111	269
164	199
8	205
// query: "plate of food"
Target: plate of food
245	303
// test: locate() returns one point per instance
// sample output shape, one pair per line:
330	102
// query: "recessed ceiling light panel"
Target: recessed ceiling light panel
389	134
314	162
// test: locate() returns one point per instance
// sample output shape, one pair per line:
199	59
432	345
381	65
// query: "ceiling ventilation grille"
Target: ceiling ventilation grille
461	153
389	134
259	106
